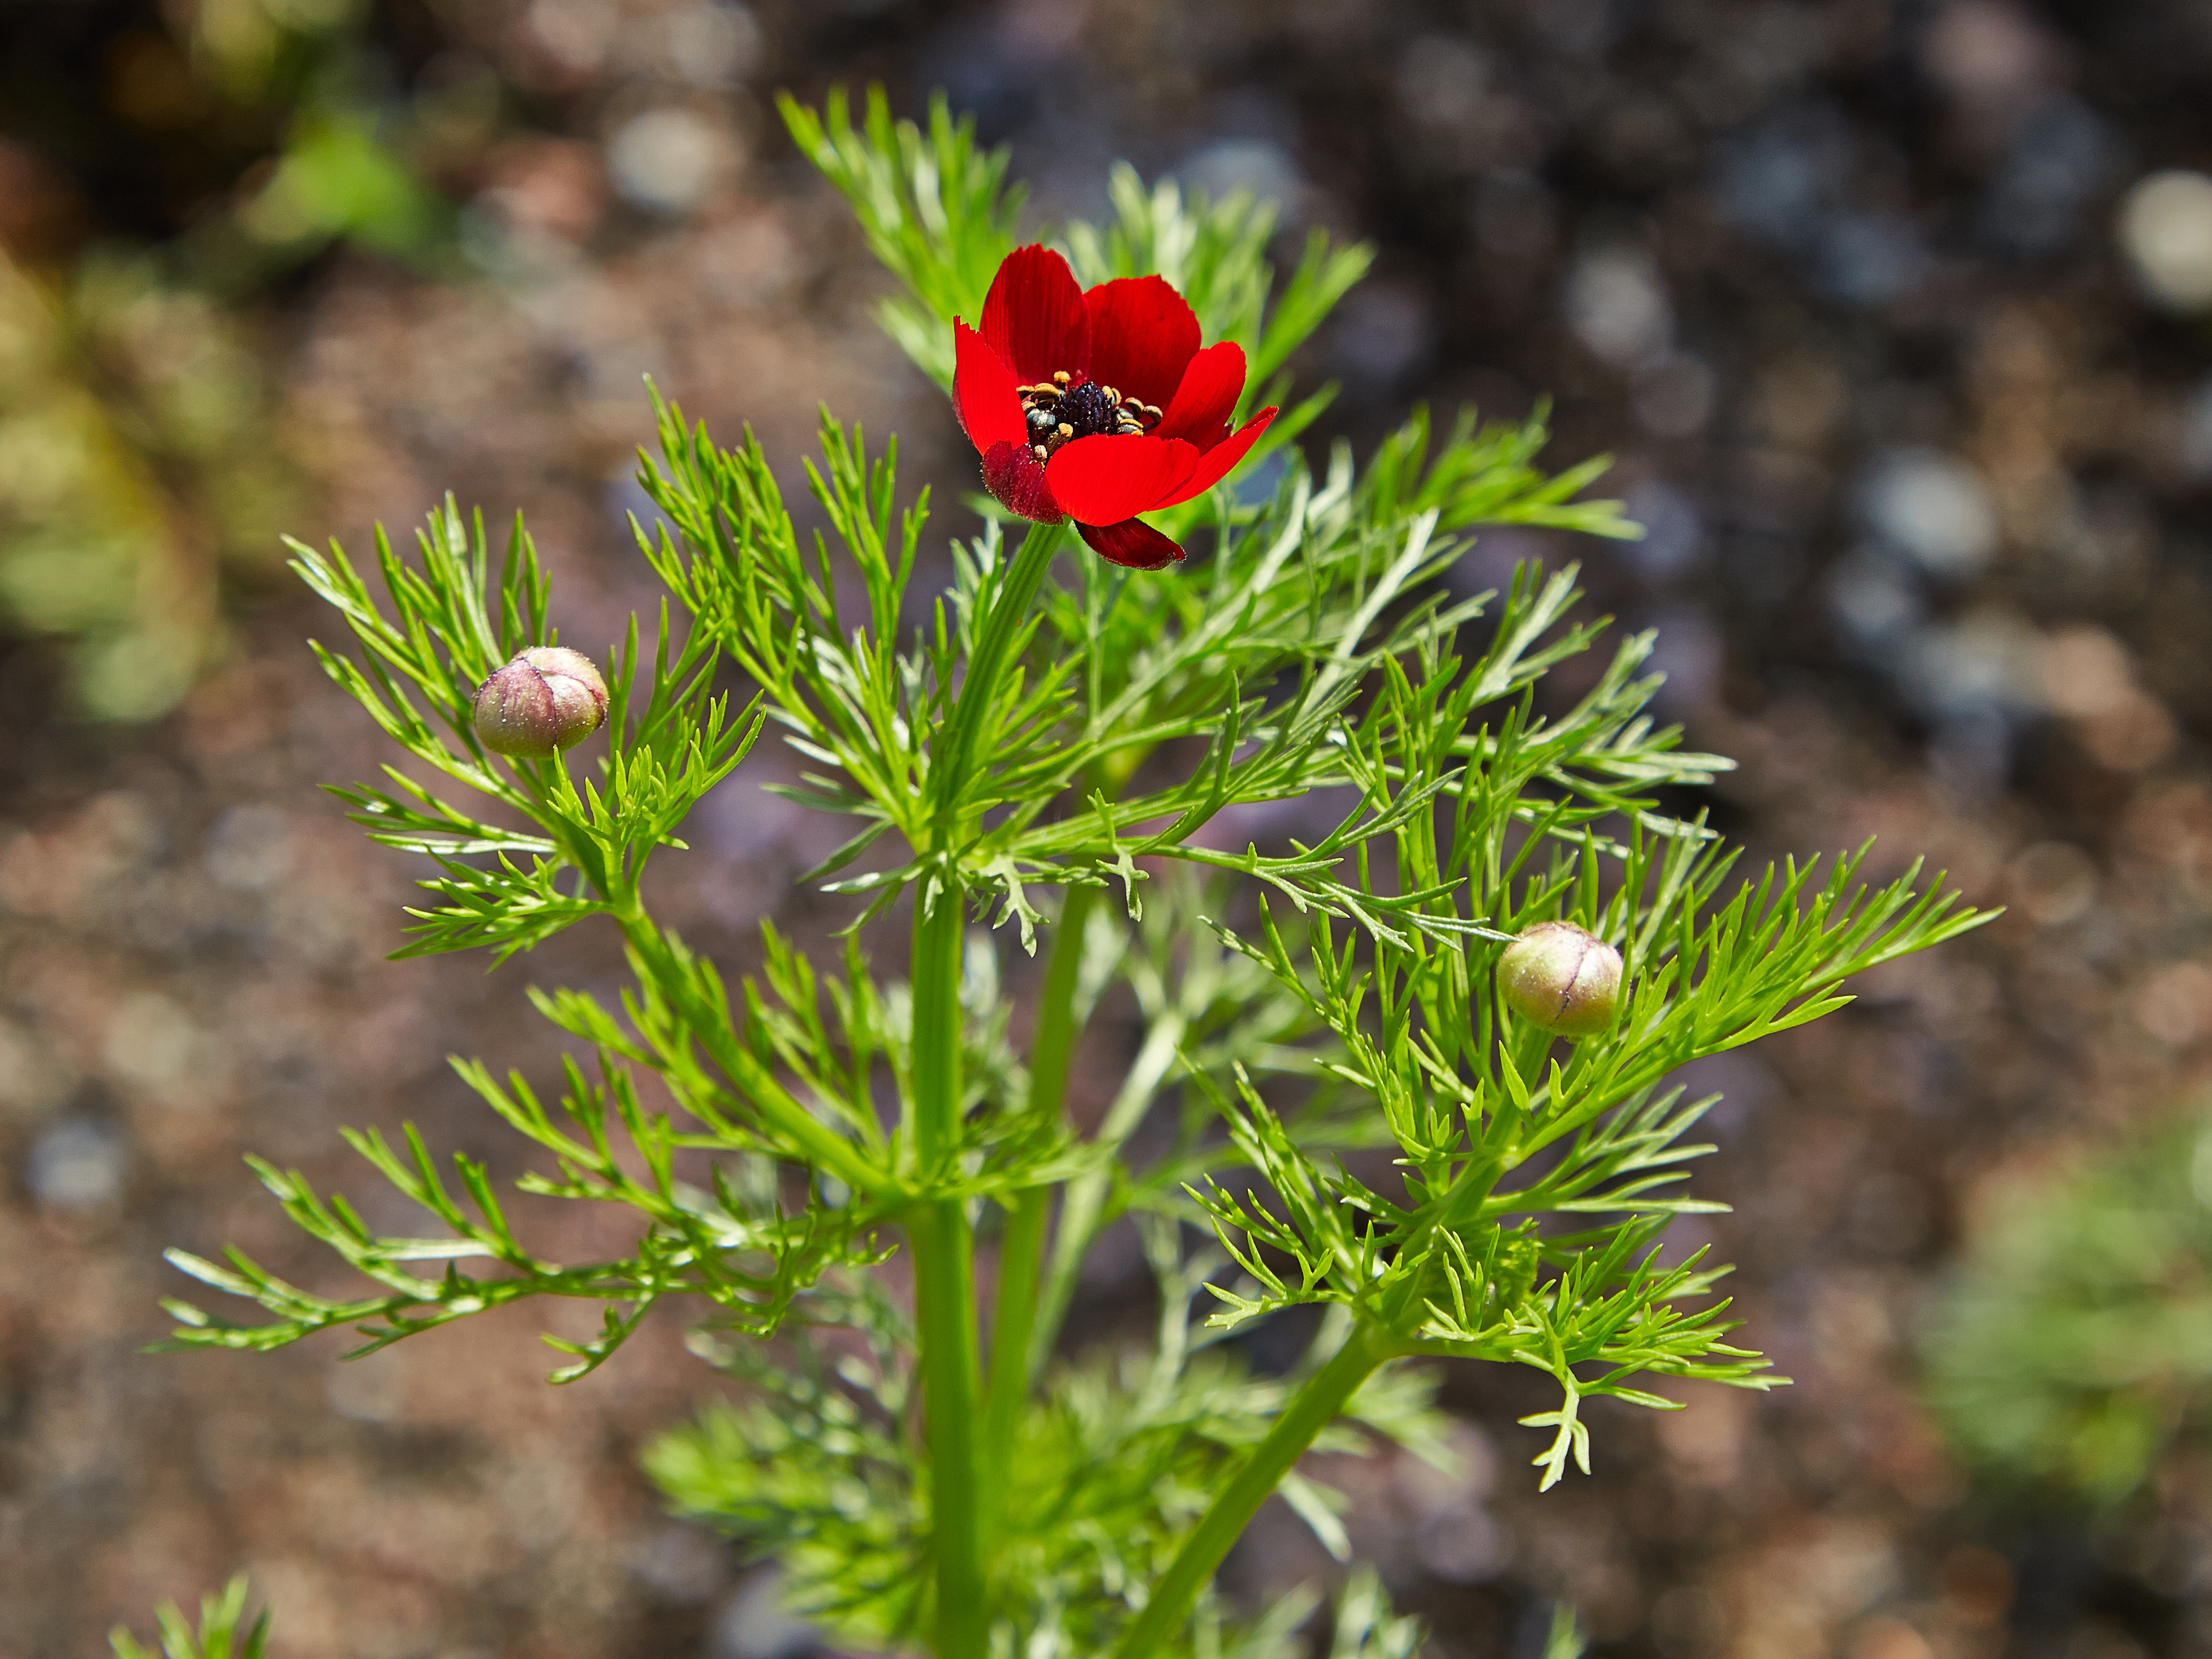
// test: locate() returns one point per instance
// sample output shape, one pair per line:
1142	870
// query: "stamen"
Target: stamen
1068	407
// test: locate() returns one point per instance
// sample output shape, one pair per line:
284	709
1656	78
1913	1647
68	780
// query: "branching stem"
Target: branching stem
1312	1409
1021	1254
1083	1205
662	963
1018	587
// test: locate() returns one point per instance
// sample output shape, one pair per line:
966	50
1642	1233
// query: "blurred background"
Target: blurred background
1898	314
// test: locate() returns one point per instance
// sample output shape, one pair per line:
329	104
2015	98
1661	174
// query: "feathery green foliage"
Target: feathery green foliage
1071	753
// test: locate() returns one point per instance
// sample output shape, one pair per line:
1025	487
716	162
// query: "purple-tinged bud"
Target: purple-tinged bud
1561	978
547	698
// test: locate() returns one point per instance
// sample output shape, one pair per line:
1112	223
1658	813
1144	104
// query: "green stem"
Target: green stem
934	977
944	1321
1021	1262
943	1244
1017	588
1314	1408
1084	1203
945	1285
1021	1254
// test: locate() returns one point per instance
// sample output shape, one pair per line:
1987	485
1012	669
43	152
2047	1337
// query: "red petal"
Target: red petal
1034	318
1013	474
983	392
1215	463
1205	397
1105	480
1134	543
1142	337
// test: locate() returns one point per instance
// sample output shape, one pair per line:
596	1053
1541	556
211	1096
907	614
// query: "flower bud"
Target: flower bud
547	698
1561	978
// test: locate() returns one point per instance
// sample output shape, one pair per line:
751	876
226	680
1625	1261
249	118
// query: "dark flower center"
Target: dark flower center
1067	407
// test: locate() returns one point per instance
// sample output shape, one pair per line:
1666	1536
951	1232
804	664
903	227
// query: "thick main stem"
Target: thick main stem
1021	1253
945	1286
1314	1408
938	1230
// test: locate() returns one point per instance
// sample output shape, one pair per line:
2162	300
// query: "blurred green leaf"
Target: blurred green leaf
2074	1352
219	1635
339	180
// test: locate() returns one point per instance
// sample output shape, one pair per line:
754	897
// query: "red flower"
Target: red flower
1097	406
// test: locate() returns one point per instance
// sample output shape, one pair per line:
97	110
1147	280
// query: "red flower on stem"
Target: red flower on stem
1097	406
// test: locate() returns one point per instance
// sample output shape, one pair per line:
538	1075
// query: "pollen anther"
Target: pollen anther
1068	407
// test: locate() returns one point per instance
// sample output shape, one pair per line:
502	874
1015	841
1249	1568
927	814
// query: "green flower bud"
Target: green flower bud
1559	977
547	698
